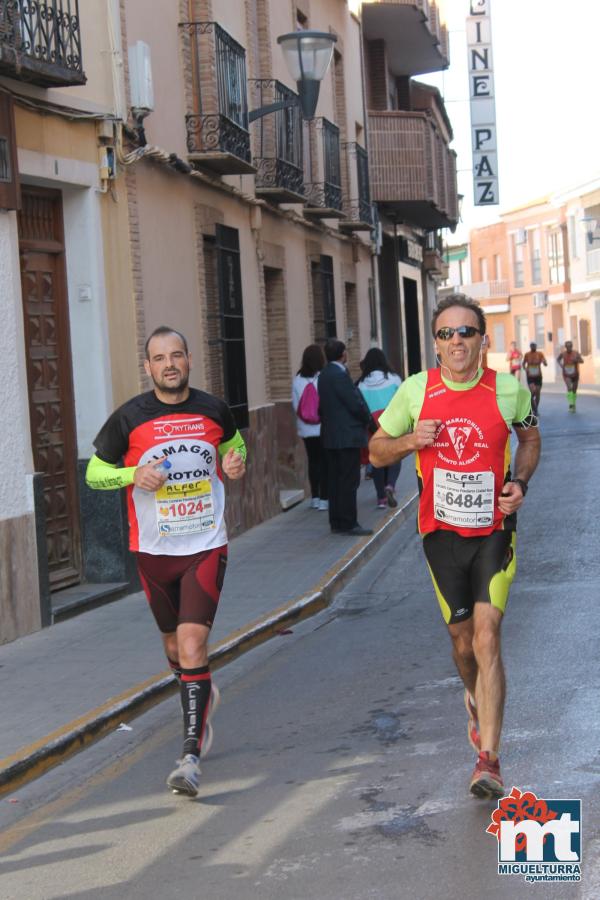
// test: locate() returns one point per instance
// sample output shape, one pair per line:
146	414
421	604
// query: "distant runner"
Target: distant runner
569	361
175	442
533	361
457	419
514	358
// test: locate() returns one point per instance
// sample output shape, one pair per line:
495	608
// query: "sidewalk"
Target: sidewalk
69	684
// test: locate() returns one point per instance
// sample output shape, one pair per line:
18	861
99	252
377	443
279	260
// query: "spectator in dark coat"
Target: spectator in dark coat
344	418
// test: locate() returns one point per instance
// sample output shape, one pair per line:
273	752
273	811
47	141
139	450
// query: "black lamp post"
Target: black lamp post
307	55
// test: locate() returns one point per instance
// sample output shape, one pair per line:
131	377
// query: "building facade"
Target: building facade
521	274
53	293
582	313
140	191
413	170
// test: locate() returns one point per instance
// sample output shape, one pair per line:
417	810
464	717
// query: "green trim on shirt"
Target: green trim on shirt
104	476
237	442
404	409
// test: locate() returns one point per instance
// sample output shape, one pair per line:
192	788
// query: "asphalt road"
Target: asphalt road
340	767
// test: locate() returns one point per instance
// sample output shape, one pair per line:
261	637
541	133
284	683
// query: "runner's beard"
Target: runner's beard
168	388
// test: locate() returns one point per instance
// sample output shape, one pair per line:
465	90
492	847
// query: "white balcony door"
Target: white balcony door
522	333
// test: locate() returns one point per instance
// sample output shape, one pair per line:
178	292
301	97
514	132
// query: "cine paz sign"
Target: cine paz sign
483	106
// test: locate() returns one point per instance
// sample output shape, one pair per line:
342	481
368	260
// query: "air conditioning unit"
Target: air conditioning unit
140	76
521	236
540	299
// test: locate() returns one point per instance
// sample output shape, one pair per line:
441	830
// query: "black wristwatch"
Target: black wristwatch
522	484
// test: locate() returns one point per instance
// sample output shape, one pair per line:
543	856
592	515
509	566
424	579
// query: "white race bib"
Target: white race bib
463	499
184	508
569	370
534	371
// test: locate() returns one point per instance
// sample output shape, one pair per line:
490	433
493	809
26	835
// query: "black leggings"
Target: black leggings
317	467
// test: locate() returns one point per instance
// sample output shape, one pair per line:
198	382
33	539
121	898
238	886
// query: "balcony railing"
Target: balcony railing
484	290
40	42
433	255
413	171
323	178
217	124
277	144
358	212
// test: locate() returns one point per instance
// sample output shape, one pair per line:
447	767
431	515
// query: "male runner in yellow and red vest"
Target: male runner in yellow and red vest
457	419
569	361
175	443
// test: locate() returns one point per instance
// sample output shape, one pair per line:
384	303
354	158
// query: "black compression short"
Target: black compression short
469	570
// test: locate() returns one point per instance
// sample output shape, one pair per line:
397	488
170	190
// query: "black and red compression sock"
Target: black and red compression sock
195	697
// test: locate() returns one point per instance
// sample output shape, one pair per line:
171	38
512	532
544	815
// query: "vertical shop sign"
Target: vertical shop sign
483	106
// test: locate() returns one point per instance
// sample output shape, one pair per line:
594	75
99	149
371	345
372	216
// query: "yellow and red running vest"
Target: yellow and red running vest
462	473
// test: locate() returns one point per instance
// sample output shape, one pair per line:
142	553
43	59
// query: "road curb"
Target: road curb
32	761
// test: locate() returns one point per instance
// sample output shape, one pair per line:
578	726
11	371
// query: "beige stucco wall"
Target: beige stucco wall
99	29
165	126
56	136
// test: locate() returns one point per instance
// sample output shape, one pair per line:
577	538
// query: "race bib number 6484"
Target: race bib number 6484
463	499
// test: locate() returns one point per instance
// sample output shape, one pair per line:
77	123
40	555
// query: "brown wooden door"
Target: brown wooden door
46	319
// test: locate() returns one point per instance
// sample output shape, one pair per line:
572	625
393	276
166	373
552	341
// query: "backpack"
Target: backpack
308	408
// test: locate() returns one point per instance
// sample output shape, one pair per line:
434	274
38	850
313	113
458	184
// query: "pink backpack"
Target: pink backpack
308	408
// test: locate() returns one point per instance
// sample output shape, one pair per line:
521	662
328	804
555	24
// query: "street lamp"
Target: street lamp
307	55
590	224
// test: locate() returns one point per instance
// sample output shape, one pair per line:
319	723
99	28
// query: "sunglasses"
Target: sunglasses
463	331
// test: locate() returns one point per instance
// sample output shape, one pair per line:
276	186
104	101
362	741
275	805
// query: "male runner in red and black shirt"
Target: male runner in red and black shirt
175	442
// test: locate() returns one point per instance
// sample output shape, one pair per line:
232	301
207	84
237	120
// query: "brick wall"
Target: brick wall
213	345
376	75
352	329
277	335
259	55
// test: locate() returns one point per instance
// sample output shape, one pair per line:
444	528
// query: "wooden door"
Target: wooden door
47	344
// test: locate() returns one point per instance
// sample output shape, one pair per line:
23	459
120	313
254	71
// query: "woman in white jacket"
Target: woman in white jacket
313	360
378	384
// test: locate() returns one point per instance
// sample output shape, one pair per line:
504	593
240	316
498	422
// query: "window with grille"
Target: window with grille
323	299
535	245
556	259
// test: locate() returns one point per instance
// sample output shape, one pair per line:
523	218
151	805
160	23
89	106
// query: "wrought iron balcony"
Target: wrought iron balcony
358	212
277	144
217	124
40	42
413	171
323	179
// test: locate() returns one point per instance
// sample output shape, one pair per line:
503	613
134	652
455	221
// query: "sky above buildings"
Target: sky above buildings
547	110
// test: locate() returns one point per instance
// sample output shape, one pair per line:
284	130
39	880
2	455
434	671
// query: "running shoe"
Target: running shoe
473	723
382	504
213	703
486	781
390	493
185	779
314	503
323	505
